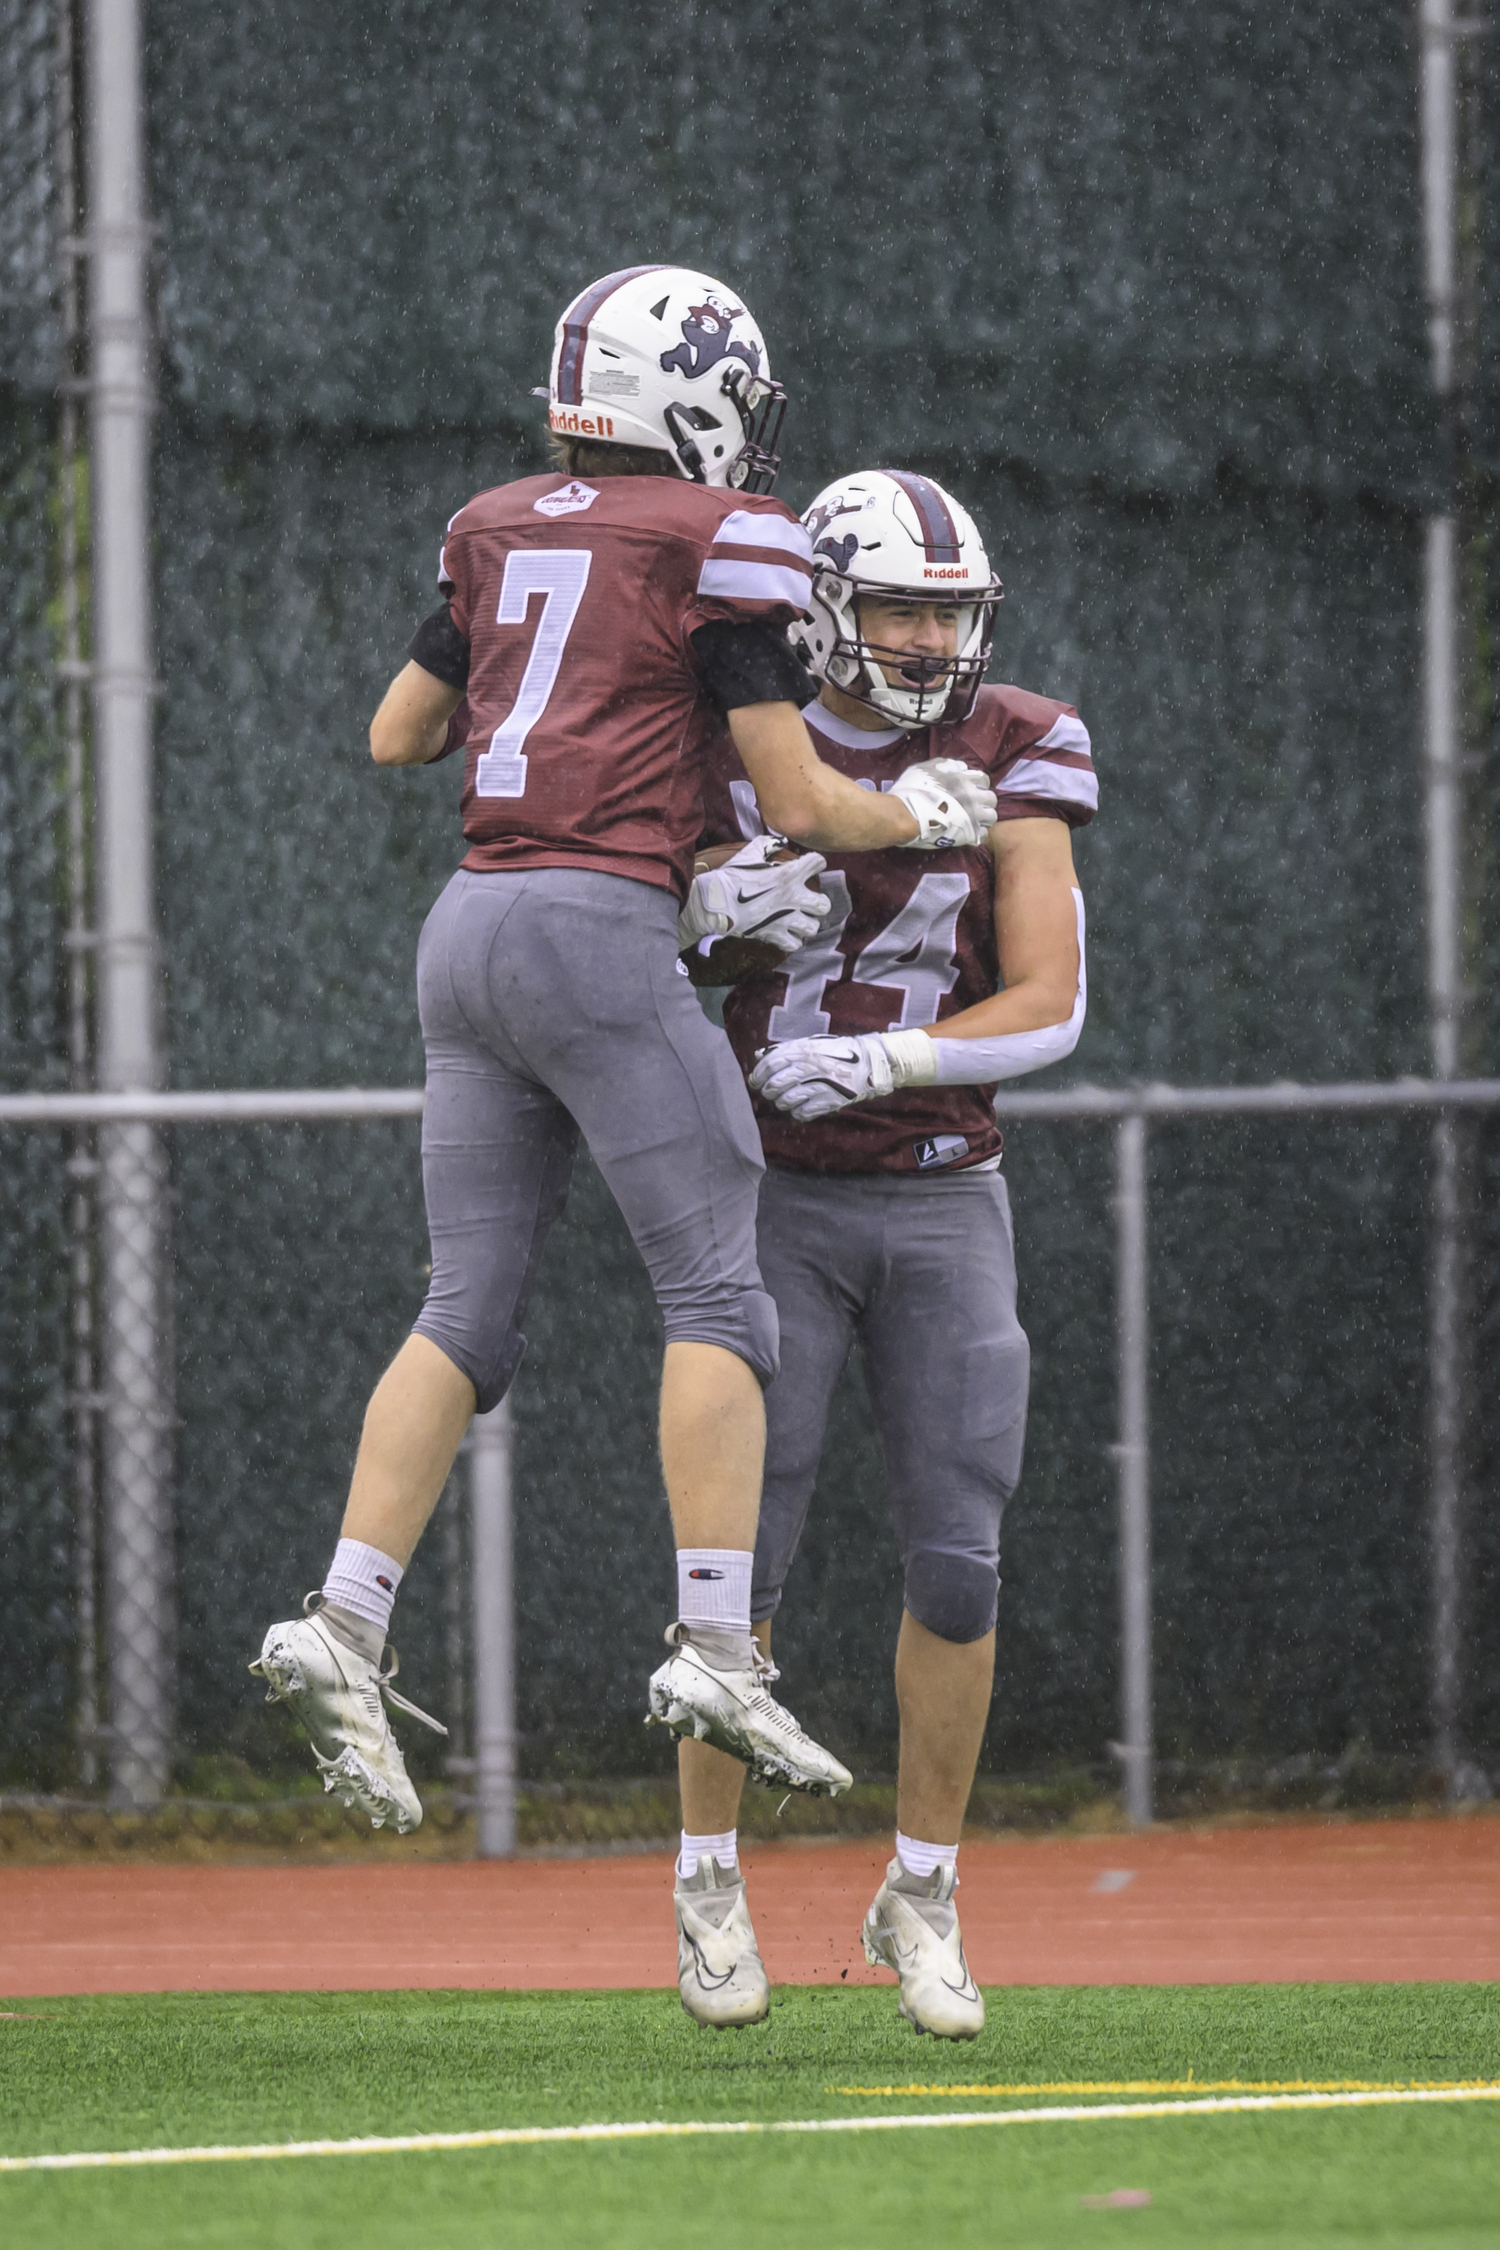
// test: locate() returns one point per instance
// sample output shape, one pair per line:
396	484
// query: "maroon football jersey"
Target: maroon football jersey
910	937
589	720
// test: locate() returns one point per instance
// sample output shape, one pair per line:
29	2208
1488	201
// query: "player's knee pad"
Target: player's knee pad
745	1324
955	1596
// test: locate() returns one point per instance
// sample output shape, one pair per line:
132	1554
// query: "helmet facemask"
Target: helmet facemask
760	405
762	409
929	688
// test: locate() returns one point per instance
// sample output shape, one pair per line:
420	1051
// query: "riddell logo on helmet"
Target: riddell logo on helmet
931	570
574	424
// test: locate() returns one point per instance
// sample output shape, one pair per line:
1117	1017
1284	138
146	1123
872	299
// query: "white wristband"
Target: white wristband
913	1058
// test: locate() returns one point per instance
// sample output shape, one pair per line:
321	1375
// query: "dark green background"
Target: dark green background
1143	287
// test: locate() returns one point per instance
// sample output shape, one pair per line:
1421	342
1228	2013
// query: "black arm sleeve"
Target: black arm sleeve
440	648
750	663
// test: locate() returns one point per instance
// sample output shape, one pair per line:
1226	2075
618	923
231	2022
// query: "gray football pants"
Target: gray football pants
922	1273
551	1004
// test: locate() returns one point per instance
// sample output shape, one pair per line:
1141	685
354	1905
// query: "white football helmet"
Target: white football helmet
887	532
661	357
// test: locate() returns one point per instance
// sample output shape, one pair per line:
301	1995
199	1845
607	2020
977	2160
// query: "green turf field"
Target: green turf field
182	2070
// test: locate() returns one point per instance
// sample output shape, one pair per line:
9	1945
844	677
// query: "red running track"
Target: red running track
1375	1901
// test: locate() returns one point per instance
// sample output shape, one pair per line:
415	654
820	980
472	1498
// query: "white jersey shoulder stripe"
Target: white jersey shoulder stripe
743	528
723	580
1066	733
1043	777
767	555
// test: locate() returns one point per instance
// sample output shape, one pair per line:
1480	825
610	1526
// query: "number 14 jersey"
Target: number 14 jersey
910	937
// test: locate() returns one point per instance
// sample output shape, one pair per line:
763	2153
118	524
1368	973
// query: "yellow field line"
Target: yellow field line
649	2129
1201	2086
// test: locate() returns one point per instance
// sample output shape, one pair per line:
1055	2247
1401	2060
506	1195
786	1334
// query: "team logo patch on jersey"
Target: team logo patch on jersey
571	501
943	1148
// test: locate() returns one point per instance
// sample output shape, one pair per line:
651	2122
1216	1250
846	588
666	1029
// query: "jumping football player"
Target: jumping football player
595	622
874	1055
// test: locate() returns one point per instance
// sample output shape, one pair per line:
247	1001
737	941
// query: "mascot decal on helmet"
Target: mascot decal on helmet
838	551
706	333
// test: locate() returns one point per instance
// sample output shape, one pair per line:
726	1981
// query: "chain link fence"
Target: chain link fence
1193	420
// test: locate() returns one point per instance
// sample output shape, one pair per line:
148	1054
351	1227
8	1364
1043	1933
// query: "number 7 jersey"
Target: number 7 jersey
588	719
910	937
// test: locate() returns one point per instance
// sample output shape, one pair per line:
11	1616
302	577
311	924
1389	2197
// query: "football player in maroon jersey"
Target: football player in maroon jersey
595	624
874	1053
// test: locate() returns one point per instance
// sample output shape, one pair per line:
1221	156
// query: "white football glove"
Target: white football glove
754	895
812	1078
954	805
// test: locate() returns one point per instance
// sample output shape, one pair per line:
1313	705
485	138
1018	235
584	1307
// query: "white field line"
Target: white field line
663	2129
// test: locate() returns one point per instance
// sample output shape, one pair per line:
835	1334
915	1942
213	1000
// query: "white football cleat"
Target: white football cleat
705	1693
720	1973
912	1927
336	1694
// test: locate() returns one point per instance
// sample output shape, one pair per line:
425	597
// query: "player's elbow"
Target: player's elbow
1063	1025
793	810
389	742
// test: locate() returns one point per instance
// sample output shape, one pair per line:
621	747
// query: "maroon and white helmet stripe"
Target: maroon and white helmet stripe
939	531
576	330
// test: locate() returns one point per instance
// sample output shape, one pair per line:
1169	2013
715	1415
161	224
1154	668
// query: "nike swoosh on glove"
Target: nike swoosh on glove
812	1078
953	804
757	895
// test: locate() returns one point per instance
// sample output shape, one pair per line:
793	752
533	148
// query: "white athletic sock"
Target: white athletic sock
921	1859
724	1849
364	1580
713	1587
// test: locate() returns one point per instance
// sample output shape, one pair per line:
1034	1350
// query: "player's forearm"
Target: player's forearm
1031	1006
411	726
802	798
842	817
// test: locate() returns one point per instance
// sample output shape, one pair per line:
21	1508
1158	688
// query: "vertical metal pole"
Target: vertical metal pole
82	1168
1444	1438
137	1541
1442	751
491	1561
455	1632
1133	1456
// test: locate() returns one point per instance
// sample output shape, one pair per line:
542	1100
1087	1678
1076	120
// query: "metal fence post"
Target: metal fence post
82	1168
1450	316
1133	1458
132	1157
1444	1438
490	1451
